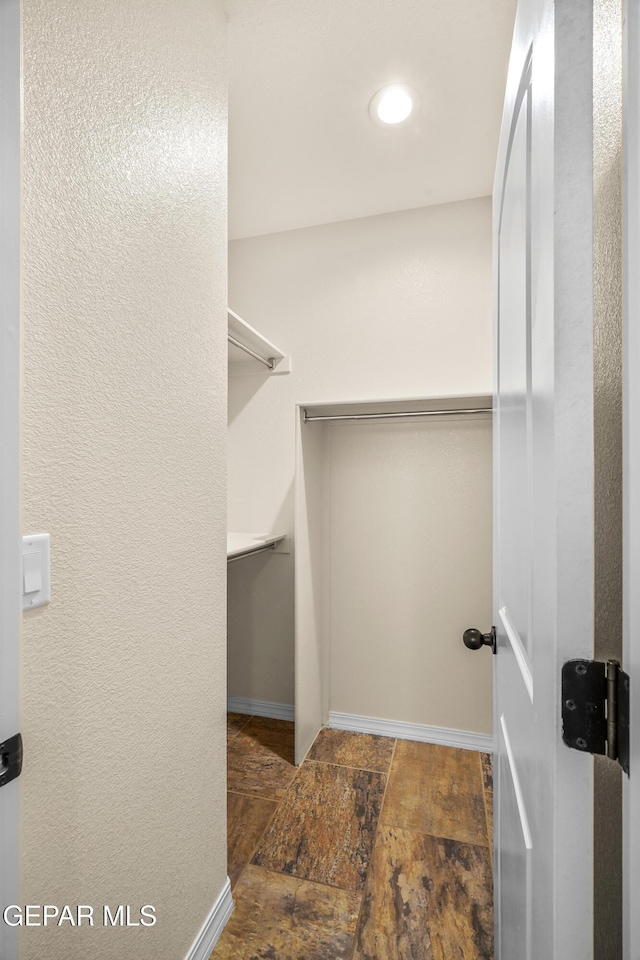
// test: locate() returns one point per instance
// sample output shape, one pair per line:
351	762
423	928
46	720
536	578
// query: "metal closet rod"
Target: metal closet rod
251	553
393	416
256	356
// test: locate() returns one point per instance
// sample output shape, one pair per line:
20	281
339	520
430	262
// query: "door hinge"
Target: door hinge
10	759
595	709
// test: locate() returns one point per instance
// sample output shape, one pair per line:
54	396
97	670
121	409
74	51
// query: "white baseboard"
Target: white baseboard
210	931
412	731
358	724
260	708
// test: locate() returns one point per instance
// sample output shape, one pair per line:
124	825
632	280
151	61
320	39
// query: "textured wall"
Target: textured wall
607	353
390	306
124	407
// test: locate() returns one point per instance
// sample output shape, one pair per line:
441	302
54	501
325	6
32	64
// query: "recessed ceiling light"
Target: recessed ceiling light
394	104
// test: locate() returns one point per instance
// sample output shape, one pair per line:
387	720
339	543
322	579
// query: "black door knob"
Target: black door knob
474	639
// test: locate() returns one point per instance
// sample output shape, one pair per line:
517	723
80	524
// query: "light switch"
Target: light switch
36	578
31	572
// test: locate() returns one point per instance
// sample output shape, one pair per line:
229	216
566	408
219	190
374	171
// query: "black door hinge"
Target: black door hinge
595	709
10	759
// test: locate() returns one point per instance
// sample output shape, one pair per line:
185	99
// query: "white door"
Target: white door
631	474
543	477
9	436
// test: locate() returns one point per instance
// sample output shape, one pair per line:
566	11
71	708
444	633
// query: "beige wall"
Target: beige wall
409	569
124	404
389	306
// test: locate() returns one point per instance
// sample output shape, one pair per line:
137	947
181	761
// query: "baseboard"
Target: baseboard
358	724
260	708
210	931
412	731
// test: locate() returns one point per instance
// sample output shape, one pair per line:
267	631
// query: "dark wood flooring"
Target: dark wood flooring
372	849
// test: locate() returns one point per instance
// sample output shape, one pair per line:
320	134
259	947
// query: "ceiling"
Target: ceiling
302	147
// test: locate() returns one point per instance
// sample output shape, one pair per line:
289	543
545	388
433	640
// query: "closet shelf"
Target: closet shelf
244	544
250	352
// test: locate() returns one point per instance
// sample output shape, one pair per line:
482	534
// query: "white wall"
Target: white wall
391	306
124	424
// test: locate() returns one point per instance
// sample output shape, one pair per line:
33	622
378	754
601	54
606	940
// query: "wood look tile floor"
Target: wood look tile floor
372	849
260	758
325	826
437	790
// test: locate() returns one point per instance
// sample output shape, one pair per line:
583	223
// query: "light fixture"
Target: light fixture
394	105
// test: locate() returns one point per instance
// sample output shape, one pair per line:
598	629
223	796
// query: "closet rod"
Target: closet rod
250	553
256	356
389	416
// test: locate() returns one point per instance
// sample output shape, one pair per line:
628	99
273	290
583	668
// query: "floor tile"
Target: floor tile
247	819
260	759
235	723
323	829
436	790
282	918
361	750
426	899
278	735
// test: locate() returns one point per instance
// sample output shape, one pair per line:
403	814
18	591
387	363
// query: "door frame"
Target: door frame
10	587
631	465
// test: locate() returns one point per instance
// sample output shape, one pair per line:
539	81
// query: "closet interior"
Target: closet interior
251	354
393	559
387	520
360	482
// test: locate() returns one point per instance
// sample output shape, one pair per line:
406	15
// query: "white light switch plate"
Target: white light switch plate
36	573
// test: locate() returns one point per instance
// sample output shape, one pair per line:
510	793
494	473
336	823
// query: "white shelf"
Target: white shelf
241	362
244	544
